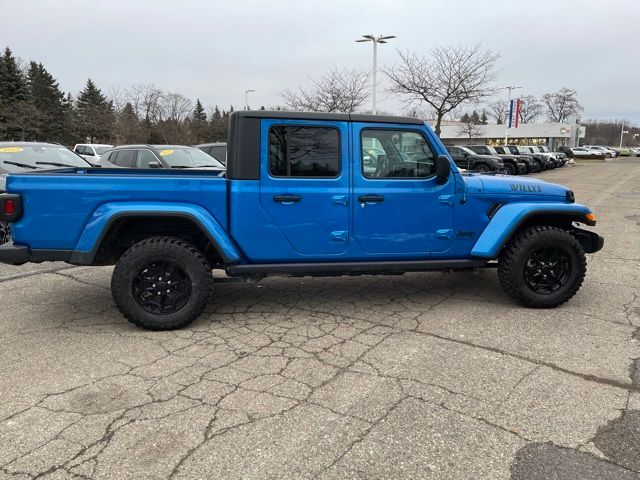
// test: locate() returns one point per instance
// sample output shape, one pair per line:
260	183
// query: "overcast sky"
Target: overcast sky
214	50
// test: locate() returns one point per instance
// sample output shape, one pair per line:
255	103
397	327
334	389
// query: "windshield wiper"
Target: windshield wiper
18	164
56	164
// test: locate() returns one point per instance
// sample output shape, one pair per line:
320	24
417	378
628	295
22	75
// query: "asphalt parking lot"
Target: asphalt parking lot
416	376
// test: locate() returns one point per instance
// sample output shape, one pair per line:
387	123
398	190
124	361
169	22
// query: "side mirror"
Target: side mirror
443	169
154	165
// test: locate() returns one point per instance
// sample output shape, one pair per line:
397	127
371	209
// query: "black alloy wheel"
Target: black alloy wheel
161	288
547	270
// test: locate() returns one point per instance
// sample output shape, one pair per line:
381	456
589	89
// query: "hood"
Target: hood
500	184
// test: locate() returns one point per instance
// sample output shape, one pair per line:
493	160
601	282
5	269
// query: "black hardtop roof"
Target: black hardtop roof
336	117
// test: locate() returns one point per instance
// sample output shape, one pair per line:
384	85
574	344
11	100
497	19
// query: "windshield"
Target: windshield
492	151
101	150
178	157
467	150
21	158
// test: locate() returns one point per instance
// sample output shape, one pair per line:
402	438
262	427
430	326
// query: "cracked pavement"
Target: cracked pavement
417	376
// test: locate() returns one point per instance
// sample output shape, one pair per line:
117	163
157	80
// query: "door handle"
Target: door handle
370	198
287	198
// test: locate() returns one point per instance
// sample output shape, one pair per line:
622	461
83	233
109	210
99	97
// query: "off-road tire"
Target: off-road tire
512	262
157	249
510	169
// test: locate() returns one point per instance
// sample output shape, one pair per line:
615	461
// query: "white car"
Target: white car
583	152
608	153
91	152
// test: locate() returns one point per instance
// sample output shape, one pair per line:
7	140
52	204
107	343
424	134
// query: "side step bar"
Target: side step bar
332	268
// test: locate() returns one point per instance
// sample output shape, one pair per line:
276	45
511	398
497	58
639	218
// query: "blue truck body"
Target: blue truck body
251	218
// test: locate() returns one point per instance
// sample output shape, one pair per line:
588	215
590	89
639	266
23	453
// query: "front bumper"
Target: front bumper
591	242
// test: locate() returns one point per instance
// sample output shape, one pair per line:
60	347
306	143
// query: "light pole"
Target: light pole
622	132
246	97
375	40
506	131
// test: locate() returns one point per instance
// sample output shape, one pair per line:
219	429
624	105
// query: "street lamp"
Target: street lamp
622	132
246	97
375	40
506	131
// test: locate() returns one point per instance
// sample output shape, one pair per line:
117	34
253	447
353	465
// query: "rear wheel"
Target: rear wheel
482	168
542	267
162	283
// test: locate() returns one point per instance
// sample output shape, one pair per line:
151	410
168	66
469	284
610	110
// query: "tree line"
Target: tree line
33	107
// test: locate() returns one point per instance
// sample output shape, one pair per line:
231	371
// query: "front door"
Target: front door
398	206
304	183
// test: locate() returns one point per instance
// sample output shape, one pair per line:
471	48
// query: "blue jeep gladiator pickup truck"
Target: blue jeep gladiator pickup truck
303	194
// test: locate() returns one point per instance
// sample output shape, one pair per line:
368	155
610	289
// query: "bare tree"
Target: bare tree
561	104
446	79
144	98
171	115
499	111
530	109
342	91
470	129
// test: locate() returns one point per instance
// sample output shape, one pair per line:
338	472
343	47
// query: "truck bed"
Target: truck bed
58	204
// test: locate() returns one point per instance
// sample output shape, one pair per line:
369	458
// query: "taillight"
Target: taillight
10	207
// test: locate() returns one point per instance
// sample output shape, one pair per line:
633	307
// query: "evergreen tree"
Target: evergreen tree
127	127
465	118
200	131
483	118
475	118
48	102
14	106
218	126
94	114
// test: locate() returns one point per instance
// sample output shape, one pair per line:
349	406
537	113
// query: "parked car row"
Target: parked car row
599	151
509	159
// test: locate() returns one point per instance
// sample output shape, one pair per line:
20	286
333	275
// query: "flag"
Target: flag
514	113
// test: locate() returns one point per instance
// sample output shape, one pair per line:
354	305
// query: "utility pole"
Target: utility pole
622	132
506	131
375	40
246	97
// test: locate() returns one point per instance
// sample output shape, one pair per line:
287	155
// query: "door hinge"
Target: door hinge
448	233
339	236
446	199
340	199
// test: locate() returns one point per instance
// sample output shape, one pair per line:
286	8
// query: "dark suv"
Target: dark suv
532	165
216	150
159	156
545	162
470	160
512	164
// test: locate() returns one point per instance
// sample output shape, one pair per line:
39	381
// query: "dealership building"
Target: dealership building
550	134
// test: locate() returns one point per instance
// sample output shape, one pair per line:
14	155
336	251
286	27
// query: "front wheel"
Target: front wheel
509	169
162	283
542	267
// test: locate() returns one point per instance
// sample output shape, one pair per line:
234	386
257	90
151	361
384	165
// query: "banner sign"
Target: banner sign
514	113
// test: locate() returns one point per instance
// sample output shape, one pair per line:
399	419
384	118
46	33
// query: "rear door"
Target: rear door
398	206
304	183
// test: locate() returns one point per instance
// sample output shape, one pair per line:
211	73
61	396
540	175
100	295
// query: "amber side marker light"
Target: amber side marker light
591	217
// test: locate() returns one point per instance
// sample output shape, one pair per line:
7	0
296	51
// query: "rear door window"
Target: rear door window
126	158
297	151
